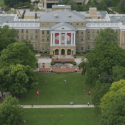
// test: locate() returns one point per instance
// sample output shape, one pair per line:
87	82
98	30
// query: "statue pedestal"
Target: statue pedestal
63	67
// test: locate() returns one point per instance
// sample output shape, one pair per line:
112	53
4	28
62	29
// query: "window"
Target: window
81	38
88	47
116	30
88	31
17	37
77	24
36	37
82	24
43	38
82	32
47	47
98	17
43	48
42	24
77	48
22	37
47	38
43	32
93	31
17	31
90	17
26	37
88	37
36	31
31	37
77	32
22	30
81	47
31	30
36	46
77	38
47	24
92	46
47	31
26	30
93	37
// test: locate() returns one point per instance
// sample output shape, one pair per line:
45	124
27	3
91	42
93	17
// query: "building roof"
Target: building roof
62	15
30	13
61	6
4	19
63	26
115	20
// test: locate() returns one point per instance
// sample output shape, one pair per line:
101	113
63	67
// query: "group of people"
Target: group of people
48	75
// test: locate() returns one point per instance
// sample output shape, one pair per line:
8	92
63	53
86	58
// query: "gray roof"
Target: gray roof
4	19
32	13
114	19
61	6
63	25
63	15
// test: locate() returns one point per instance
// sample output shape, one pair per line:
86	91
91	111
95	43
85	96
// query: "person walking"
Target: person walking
88	103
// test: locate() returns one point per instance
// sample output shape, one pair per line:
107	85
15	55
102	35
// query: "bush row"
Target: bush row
74	63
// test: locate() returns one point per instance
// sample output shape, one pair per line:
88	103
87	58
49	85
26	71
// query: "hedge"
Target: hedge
74	63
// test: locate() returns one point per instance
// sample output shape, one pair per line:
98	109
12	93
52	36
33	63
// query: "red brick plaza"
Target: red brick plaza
59	69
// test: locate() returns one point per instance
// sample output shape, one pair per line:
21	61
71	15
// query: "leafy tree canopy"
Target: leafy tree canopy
116	88
18	53
114	112
106	36
101	60
18	78
7	36
9	114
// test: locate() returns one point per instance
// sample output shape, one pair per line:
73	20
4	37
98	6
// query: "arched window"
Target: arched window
36	46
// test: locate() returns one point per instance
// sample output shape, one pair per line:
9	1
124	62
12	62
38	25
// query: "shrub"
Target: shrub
35	1
52	63
6	8
74	63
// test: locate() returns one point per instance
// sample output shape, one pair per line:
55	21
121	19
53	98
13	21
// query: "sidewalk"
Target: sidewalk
57	106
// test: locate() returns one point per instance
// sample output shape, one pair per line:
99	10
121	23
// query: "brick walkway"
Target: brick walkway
63	59
59	69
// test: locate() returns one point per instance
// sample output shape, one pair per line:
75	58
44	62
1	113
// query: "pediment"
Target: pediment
62	28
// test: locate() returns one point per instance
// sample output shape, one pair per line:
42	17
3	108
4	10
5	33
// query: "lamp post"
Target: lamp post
53	51
72	52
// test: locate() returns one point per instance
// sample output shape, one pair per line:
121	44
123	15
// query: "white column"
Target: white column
71	39
74	39
65	38
51	39
59	39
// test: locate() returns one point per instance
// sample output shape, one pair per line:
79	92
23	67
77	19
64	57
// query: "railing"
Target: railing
116	14
61	45
22	24
104	24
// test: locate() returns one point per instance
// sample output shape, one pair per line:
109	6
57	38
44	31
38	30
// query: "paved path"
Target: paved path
58	106
110	8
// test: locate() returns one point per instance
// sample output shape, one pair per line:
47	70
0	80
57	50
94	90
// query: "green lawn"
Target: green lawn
118	10
11	11
57	92
77	116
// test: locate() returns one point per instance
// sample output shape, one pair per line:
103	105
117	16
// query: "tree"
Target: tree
118	73
35	15
106	36
7	36
18	53
18	78
100	60
74	6
114	112
98	92
116	88
29	45
9	114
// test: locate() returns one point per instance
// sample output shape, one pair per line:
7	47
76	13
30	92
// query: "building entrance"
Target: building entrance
56	52
62	52
68	52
